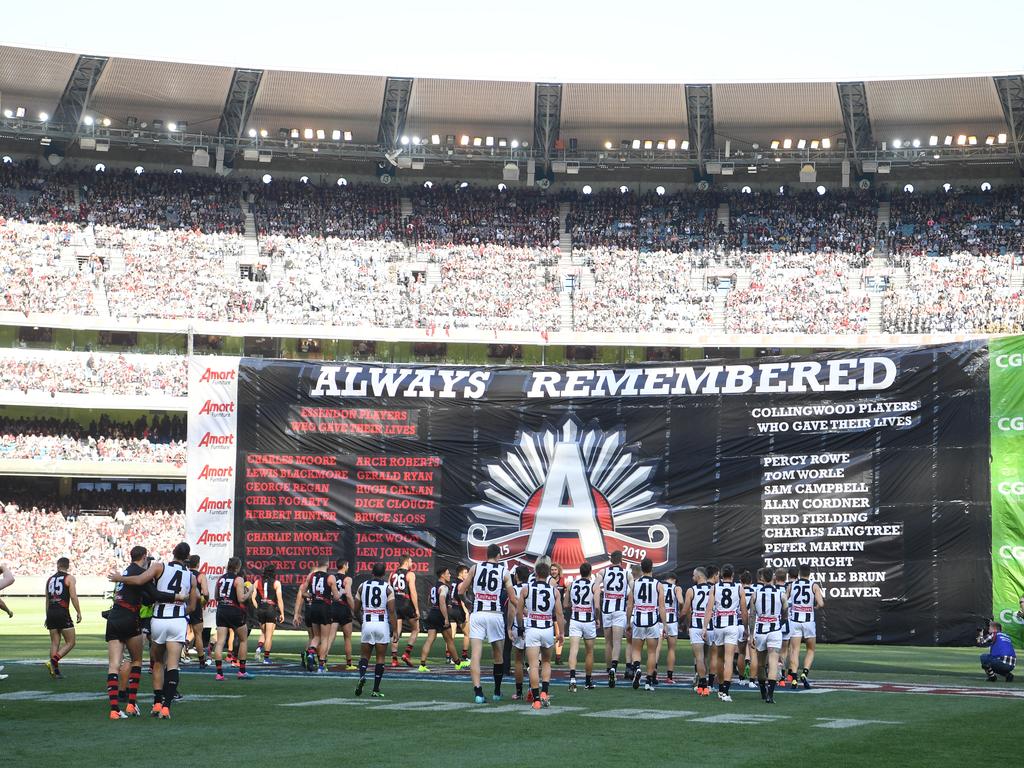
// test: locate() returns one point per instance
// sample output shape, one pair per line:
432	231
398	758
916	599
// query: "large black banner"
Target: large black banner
871	466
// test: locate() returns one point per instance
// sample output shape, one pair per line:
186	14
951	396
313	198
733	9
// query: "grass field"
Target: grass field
942	712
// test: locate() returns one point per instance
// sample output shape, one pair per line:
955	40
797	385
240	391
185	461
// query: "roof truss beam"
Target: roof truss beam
853	98
547	118
245	83
1011	95
78	91
700	117
394	111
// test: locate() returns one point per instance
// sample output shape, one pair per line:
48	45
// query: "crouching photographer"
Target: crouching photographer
1001	658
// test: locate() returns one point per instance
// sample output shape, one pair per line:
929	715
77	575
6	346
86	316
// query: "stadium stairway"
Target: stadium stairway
99	298
564	236
405	208
565	317
251	248
882	222
723	215
718	313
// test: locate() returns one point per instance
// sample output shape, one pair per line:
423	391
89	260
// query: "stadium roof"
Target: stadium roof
592	113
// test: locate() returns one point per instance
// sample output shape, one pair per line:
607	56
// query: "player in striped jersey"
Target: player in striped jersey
375	605
540	620
582	601
728	613
673	601
437	620
768	609
788	577
695	606
487	580
804	597
515	646
615	587
646	609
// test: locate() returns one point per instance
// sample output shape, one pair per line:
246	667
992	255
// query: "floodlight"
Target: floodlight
933	141
267	178
801	143
88	120
43	117
321	134
826	143
307	133
670	144
787	143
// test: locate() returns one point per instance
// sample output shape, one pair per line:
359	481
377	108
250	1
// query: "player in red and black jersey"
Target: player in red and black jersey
232	594
438	621
60	596
124	633
269	604
407	609
458	614
341	612
195	619
322	589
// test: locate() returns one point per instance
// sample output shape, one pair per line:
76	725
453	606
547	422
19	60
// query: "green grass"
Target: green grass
256	727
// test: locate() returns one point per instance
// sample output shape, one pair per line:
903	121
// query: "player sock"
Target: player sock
588	680
702	682
763	685
519	690
668	675
478	690
170	687
378	675
133	683
499	673
158	696
408	649
363	664
654	677
112	691
55	660
806	671
266	655
725	685
544	686
771	688
220	666
241	666
465	655
536	694
572	674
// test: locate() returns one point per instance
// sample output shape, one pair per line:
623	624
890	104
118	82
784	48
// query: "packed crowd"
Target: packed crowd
948	223
798	293
350	211
156	440
956	293
678	222
94	530
99	373
471	216
39	271
639	291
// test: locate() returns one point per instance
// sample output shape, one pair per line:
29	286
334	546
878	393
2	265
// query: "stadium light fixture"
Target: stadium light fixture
172	127
787	143
316	149
263	133
623	189
908	188
986	186
1001	138
252	133
897	143
404	141
635	144
948	141
933	141
267	178
463	184
307	133
428	184
659	190
915	143
464	140
342	181
489	141
670	144
661	146
776	143
139	170
88	120
684	145
435	139
415	141
348	135
961	140
745	190
335	135
303	179
820	189
514	144
106	122
801	143
607	145
815	143
946	187
990	140
936	156
294	133
587	189
826	143
8	114
502	143
477	141
19	112
43	117
178	171
502	186
972	140
321	134
648	144
100	168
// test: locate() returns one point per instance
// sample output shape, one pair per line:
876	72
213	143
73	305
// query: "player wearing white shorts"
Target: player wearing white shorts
516	632
695	606
540	616
787	578
375	605
728	613
615	585
673	601
746	641
581	601
804	597
768	607
487	624
646	609
177	596
710	637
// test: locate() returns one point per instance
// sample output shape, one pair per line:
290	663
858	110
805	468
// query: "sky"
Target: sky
541	40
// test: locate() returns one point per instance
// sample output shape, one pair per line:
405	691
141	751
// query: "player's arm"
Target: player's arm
333	584
252	597
6	576
784	614
442	603
597	603
392	616
280	601
661	607
559	619
464	584
629	605
347	584
743	608
711	608
73	594
410	578
520	607
357	605
151	573
819	597
510	590
296	612
241	590
193	596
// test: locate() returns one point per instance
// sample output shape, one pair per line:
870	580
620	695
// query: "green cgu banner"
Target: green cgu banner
1006	379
